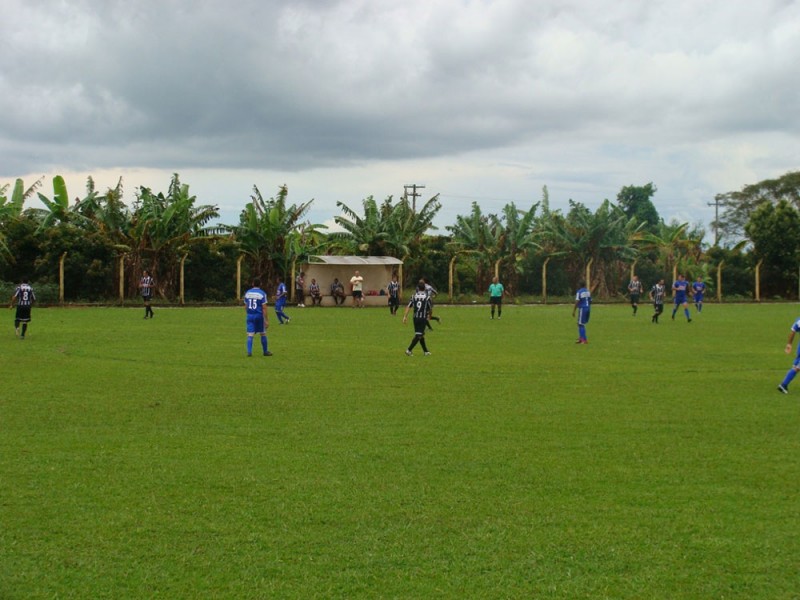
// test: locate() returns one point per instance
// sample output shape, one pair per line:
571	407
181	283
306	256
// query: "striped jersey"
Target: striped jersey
635	287
394	288
24	295
657	293
146	284
421	303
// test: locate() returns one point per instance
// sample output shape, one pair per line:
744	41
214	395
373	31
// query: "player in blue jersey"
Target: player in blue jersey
421	303
24	298
255	304
583	304
680	289
281	296
698	290
783	388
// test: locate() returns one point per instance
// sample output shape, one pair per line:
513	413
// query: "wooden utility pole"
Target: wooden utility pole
414	187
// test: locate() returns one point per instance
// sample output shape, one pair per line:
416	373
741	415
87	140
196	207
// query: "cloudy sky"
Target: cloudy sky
477	100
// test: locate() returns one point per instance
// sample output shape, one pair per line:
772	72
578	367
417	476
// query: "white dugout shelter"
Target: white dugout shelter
376	270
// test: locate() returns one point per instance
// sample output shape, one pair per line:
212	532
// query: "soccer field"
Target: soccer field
153	459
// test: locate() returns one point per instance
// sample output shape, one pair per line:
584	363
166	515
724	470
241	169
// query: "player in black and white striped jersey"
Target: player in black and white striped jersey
635	289
657	293
24	298
421	304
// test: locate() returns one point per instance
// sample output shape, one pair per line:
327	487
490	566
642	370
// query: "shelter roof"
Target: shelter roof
354	260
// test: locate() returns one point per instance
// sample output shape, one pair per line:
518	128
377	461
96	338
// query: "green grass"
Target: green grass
152	459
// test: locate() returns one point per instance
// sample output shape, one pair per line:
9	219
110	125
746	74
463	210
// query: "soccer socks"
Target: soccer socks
686	312
249	345
582	332
263	343
788	379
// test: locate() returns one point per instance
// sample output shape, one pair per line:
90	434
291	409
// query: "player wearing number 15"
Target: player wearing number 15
255	303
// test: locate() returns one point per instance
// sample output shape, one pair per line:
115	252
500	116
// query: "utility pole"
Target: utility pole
414	187
715	204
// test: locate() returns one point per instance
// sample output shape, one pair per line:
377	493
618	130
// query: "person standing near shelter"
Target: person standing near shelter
24	298
583	304
146	285
657	297
281	296
299	289
680	289
357	287
421	304
255	305
393	289
496	292
635	290
698	291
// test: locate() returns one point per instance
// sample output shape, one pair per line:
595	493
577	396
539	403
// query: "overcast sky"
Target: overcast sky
477	100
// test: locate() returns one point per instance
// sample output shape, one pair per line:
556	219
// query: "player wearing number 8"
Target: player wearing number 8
24	297
255	303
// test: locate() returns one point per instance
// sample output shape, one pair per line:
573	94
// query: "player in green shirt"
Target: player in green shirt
496	292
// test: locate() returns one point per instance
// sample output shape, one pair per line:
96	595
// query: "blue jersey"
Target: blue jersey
583	299
698	287
679	288
254	301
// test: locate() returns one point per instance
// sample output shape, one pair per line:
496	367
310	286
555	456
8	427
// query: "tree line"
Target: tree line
100	236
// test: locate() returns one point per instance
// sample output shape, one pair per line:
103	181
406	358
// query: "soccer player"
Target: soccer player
24	298
783	387
357	287
255	304
431	291
421	303
496	291
583	303
146	285
281	296
299	289
635	290
657	296
679	289
698	290
393	289
316	294
337	291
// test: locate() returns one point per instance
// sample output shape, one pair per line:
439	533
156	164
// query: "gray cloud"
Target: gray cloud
293	86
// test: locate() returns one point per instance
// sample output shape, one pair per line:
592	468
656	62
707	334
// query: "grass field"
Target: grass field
153	459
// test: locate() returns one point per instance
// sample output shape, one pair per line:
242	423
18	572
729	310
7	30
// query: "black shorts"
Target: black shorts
147	297
357	294
23	314
634	298
496	300
420	325
394	301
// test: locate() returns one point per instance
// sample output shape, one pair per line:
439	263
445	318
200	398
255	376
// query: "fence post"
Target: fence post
239	277
588	274
719	280
61	278
122	279
758	280
183	260
450	277
544	279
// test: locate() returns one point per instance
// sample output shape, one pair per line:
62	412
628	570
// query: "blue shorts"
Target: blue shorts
698	297
583	316
255	324
680	300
